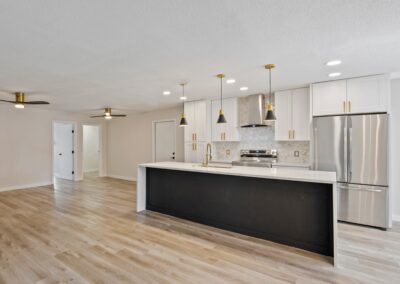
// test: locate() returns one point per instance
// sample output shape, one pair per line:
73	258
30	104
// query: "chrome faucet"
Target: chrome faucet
208	156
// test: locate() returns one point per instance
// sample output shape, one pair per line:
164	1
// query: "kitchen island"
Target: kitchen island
291	207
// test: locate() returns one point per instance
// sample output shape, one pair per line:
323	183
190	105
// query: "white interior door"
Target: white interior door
63	150
164	149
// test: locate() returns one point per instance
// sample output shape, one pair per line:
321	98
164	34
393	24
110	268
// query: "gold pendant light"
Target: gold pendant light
221	116
183	121
270	109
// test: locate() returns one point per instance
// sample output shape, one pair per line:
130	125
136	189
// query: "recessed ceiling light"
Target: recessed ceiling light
183	98
335	74
333	62
244	88
166	93
230	81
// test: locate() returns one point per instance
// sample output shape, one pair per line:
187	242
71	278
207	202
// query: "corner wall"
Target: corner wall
130	141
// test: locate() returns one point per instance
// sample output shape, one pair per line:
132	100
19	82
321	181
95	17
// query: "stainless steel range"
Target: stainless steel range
257	158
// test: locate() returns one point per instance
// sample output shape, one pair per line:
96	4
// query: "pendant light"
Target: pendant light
270	109
183	121
221	116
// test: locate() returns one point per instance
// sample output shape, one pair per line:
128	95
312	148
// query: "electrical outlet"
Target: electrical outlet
296	154
228	152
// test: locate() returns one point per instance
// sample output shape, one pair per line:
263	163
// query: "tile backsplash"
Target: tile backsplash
263	138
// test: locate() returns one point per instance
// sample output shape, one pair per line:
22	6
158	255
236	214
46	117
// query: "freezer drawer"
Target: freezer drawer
363	204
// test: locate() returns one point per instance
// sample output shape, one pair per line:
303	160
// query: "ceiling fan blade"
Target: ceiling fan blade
119	115
37	103
13	102
98	116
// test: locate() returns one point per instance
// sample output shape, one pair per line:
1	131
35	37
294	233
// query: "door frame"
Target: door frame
75	143
101	146
153	134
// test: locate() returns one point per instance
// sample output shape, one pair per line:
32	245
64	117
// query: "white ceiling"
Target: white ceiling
85	55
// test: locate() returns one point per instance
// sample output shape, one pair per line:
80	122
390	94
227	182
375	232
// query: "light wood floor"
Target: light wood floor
88	232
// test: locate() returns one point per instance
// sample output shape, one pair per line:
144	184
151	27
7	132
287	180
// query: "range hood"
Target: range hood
255	111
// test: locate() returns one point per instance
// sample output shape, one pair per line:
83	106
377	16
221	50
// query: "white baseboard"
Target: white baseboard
396	218
26	186
122	177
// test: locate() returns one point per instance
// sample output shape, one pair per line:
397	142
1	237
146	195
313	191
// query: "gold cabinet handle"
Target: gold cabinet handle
195	146
195	137
349	110
344	106
290	134
224	136
293	134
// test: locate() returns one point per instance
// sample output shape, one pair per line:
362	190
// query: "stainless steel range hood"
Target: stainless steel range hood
255	111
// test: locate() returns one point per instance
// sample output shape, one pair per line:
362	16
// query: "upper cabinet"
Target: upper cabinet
358	95
197	115
292	108
197	132
329	98
368	94
228	131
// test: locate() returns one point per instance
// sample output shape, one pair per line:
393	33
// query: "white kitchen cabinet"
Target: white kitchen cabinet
329	98
228	131
195	152
197	115
292	109
357	95
368	94
197	132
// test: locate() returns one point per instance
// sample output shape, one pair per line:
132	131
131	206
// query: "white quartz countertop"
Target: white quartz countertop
271	173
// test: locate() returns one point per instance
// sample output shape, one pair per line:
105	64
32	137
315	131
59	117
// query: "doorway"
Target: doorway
91	150
63	150
164	140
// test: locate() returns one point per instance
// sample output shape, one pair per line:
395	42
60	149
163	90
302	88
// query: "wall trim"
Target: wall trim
396	218
122	177
26	186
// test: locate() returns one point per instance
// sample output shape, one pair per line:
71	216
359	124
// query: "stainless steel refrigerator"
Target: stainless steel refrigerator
356	148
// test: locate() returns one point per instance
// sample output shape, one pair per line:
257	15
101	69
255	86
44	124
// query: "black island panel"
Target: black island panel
294	213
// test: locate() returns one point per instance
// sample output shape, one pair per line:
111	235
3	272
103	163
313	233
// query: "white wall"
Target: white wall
130	141
90	148
395	148
26	157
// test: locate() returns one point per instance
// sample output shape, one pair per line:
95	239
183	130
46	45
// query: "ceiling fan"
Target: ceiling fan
107	114
20	102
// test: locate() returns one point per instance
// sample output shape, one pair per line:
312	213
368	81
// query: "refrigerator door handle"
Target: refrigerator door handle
350	162
358	187
345	151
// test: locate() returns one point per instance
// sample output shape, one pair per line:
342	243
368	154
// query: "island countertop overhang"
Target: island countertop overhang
270	173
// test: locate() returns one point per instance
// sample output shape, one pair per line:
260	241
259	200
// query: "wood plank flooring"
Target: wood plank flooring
89	232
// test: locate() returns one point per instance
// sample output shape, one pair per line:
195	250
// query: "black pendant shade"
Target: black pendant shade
270	116
183	121
221	117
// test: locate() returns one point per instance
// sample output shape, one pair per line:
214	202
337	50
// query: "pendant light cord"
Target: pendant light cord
221	93
183	95
270	87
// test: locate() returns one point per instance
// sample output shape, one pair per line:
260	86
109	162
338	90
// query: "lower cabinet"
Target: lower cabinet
195	152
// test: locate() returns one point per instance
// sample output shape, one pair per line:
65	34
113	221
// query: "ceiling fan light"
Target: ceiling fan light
20	106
